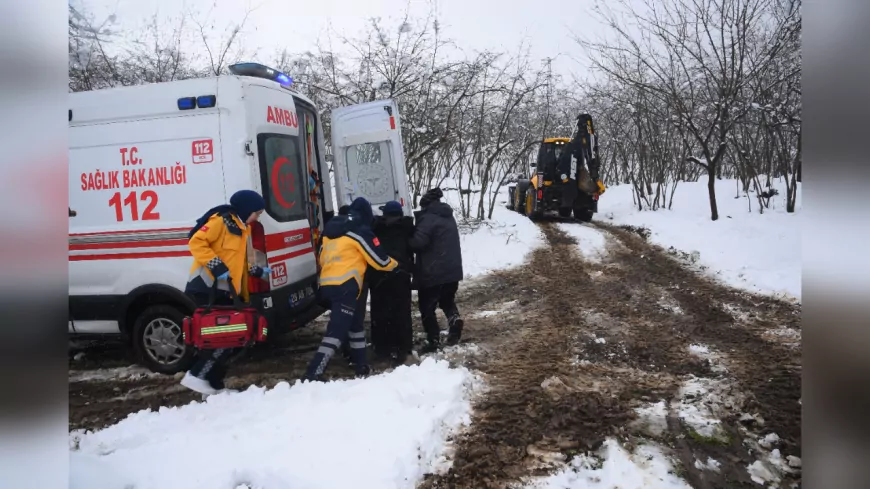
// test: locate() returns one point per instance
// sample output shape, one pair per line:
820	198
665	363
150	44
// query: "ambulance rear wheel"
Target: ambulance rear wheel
158	340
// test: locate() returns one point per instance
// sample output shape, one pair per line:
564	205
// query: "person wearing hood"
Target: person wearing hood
349	248
219	244
438	268
392	333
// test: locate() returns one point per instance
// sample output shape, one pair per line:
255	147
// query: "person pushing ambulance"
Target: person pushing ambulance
349	246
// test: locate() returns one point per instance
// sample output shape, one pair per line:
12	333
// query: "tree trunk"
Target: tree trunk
711	190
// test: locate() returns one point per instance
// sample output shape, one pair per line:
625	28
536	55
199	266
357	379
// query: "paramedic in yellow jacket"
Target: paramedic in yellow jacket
219	243
349	247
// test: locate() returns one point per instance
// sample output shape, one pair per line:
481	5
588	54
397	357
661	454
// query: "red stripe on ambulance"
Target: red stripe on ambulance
289	239
127	244
132	256
292	254
132	231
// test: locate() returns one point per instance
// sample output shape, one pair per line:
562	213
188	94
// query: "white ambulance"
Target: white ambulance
146	161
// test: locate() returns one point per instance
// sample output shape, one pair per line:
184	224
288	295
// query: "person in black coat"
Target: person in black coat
438	268
391	330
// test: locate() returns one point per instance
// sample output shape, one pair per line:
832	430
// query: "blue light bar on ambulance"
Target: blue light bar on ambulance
260	71
206	101
187	103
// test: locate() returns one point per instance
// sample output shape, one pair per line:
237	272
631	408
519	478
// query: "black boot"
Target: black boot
455	331
432	345
363	372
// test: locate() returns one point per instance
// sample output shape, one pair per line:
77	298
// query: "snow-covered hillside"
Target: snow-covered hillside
752	251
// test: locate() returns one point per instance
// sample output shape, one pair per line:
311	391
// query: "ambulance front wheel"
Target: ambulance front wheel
158	340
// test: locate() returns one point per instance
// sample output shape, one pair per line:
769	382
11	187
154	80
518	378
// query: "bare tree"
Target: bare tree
696	57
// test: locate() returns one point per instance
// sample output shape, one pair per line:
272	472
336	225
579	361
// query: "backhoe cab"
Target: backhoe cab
564	178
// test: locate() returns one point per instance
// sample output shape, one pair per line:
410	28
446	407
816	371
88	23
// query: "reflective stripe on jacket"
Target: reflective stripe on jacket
348	250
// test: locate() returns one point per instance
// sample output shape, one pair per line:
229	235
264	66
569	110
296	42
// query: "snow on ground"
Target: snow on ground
590	241
755	252
501	243
501	309
385	431
133	372
615	468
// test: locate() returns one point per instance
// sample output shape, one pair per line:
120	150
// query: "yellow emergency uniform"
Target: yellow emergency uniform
220	245
346	253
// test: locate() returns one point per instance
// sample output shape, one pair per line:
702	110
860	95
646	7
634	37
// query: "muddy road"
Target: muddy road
632	346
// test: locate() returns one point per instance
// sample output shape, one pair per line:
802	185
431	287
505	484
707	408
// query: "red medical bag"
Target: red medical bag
235	326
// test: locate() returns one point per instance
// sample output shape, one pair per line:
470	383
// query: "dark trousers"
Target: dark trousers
348	310
211	365
391	314
443	296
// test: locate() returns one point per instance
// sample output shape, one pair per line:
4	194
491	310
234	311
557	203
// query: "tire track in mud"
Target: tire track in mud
769	372
519	424
570	307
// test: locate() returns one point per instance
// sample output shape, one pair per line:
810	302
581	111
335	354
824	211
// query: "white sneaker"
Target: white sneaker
197	385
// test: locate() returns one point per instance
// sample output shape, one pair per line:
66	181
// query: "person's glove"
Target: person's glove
261	272
224	276
601	187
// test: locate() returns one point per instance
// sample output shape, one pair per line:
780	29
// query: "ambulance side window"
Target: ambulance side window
282	176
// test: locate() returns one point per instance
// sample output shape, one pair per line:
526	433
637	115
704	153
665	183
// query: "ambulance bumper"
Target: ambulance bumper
290	307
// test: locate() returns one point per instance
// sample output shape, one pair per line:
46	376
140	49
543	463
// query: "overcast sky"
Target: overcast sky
473	24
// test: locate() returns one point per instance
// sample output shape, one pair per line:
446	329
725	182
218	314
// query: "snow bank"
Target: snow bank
646	468
500	243
755	252
384	431
590	241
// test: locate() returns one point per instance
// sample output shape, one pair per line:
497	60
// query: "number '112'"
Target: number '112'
131	201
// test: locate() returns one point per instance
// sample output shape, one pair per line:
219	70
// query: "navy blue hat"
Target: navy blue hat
361	210
392	207
247	202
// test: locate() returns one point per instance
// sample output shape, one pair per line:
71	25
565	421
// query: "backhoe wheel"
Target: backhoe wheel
520	200
564	212
583	214
532	204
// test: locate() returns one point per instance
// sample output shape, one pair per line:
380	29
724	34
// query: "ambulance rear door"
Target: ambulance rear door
280	147
368	156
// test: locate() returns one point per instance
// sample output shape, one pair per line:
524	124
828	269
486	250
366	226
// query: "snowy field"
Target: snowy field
386	431
755	252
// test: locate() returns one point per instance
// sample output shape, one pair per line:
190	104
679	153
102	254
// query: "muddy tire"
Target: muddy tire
158	341
532	206
583	214
520	201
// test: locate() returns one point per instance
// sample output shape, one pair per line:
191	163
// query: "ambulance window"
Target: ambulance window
370	167
282	176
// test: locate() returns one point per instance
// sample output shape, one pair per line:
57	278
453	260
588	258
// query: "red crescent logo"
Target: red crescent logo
289	180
